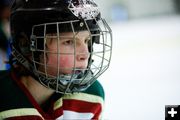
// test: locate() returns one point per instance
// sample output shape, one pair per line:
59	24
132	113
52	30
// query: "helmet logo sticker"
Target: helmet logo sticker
81	24
83	9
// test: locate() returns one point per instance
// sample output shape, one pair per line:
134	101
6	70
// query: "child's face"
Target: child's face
73	53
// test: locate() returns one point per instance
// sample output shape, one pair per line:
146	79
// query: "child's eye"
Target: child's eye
87	41
68	42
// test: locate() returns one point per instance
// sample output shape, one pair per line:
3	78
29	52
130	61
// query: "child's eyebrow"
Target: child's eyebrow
66	36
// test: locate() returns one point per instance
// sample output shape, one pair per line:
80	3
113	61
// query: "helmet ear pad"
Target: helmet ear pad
22	43
25	46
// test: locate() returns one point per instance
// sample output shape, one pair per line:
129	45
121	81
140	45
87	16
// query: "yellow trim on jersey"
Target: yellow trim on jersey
79	96
19	112
58	104
84	97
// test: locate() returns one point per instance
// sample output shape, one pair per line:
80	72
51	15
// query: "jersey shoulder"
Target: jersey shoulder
96	89
12	97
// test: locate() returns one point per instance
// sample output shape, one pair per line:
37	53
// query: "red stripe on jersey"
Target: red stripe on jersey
82	106
58	112
29	117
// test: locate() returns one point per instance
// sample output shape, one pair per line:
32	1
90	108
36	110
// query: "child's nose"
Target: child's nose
82	52
82	56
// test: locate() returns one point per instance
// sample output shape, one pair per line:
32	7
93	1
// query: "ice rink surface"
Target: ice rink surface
144	75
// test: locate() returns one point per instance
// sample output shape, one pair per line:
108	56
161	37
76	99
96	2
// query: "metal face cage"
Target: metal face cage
79	78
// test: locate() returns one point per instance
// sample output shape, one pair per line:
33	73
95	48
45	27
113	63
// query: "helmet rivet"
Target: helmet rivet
81	24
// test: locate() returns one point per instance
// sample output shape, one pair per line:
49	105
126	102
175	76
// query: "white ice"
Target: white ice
144	75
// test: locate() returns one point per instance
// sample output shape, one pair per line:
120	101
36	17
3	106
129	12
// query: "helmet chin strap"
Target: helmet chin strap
68	83
78	77
79	81
21	59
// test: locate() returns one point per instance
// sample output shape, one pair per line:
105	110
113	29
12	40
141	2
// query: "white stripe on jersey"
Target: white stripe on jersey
75	115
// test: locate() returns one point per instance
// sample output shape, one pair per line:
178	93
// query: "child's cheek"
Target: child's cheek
66	62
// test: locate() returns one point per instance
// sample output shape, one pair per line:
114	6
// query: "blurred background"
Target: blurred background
4	33
144	74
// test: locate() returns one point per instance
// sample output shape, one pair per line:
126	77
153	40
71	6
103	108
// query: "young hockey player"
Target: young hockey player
59	49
